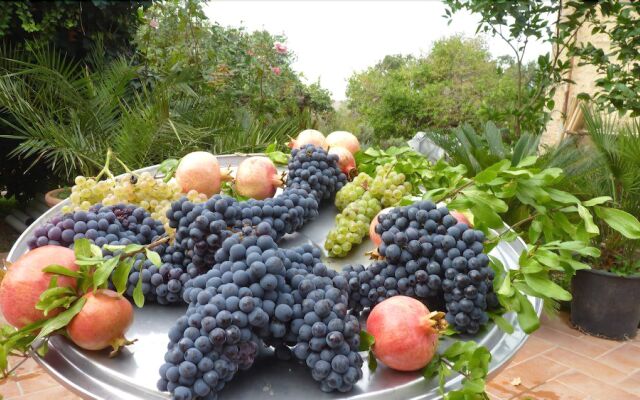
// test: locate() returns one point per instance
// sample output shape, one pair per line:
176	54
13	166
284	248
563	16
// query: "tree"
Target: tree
557	22
235	69
456	82
72	26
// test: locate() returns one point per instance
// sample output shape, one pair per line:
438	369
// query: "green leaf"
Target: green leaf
55	292
576	246
278	157
366	340
60	270
138	296
527	317
153	257
102	273
3	358
490	173
372	363
621	221
474	385
168	168
121	275
88	261
96	251
432	368
43	349
562	196
586	216
541	283
59	302
485	216
113	247
535	229
502	323
61	320
596	201
132	248
82	248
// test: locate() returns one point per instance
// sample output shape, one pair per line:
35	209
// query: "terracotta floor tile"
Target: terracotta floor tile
532	373
586	365
596	389
581	345
626	357
560	322
9	388
502	389
36	382
57	393
533	347
632	383
553	391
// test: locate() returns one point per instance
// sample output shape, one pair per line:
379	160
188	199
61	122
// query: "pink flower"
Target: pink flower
276	70
250	53
154	23
280	48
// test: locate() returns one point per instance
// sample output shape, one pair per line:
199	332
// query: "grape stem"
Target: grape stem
522	222
126	169
163	239
105	168
455	192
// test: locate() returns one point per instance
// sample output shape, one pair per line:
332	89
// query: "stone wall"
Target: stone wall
566	117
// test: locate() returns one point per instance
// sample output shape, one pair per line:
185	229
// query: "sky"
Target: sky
332	39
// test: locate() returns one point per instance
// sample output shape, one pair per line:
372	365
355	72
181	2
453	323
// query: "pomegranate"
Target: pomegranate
200	171
102	322
308	136
24	282
462	216
346	162
343	139
405	332
257	178
373	235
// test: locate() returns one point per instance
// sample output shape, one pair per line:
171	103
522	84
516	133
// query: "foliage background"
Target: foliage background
457	82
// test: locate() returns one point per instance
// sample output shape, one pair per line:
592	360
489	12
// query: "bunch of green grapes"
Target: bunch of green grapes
389	186
141	190
352	224
87	192
352	190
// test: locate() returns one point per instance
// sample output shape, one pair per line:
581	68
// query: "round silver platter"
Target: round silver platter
134	372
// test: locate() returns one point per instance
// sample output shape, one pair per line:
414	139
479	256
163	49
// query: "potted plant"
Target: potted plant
606	298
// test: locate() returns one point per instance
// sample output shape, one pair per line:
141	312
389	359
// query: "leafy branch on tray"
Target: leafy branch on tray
557	227
94	270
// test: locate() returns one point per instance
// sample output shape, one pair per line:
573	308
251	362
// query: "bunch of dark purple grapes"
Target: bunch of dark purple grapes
428	255
115	225
259	294
313	175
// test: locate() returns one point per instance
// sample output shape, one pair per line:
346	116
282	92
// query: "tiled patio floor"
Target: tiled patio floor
556	363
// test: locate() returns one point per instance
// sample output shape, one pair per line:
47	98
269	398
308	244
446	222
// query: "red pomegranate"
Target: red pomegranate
405	334
24	282
343	139
257	178
102	322
200	171
346	162
308	136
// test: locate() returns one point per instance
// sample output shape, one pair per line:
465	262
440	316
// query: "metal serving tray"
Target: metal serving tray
133	373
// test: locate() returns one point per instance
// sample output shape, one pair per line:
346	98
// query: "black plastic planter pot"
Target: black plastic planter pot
605	304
